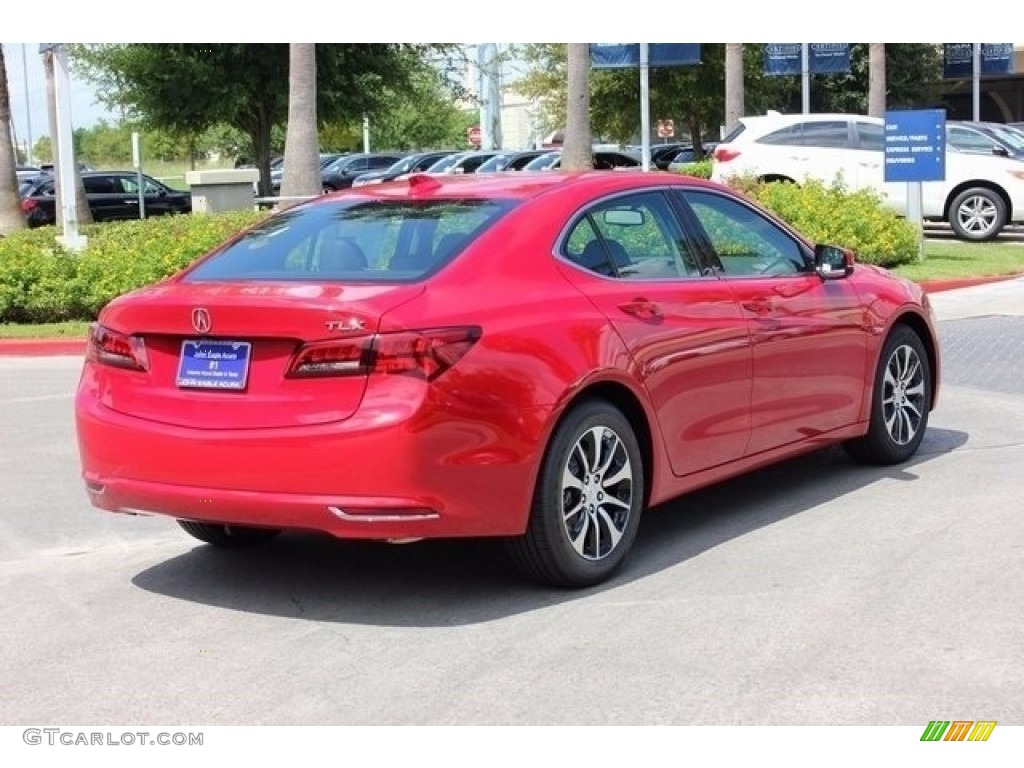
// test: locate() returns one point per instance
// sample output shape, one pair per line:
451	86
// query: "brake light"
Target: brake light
425	353
28	205
117	349
725	154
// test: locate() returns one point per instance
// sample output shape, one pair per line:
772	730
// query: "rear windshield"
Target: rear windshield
354	241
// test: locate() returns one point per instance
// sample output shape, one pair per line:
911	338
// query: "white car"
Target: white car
980	196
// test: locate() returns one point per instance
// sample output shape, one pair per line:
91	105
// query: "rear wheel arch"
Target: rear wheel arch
628	403
769	178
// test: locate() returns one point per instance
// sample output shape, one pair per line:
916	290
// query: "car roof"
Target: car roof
523	185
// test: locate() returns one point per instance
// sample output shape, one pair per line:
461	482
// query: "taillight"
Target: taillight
725	154
28	205
426	354
117	349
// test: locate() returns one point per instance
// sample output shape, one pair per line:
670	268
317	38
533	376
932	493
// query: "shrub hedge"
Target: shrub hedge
42	282
834	215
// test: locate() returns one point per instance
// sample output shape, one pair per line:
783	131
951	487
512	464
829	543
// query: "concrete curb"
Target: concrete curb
41	347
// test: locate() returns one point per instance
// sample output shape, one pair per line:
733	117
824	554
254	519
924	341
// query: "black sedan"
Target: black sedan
112	195
342	172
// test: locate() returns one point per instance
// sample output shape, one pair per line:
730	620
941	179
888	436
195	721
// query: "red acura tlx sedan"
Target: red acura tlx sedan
538	357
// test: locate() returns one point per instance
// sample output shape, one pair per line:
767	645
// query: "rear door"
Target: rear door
688	340
108	199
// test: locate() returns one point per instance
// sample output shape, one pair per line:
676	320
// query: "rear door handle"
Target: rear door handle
762	305
641	308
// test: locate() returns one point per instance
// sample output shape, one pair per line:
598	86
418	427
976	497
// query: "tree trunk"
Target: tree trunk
82	209
577	150
12	218
301	174
734	95
876	79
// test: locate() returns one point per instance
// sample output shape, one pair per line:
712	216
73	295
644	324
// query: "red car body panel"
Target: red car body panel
729	375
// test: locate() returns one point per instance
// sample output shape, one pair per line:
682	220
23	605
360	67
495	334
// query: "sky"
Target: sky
32	103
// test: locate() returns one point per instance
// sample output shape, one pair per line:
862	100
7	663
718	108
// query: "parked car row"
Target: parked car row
983	190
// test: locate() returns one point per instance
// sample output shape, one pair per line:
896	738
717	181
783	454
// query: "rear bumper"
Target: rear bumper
418	468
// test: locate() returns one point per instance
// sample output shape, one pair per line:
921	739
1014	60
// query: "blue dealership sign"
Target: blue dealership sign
822	58
915	145
621	55
958	59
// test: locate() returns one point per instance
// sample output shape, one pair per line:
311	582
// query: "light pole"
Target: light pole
65	157
28	106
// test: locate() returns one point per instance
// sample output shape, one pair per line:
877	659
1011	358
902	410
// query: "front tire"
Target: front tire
977	214
587	503
900	402
227	536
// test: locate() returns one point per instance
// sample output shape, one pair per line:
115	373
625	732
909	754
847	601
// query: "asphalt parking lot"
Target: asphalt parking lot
815	592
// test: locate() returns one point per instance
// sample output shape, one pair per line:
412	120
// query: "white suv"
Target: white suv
981	193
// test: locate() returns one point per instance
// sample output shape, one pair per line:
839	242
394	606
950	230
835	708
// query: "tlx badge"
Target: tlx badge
348	325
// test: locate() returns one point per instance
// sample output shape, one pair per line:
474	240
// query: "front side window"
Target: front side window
631	237
359	241
969	140
745	242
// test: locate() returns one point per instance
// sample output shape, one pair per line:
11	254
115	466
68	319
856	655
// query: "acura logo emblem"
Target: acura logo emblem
201	320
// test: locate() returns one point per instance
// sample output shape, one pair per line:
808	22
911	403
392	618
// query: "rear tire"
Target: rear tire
900	402
227	536
587	503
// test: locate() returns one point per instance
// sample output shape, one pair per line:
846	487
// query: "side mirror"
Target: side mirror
832	262
1000	151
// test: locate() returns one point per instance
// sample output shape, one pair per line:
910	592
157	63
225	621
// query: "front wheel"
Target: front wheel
900	402
587	503
977	214
227	536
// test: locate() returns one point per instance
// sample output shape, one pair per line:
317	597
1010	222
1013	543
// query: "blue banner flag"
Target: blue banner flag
822	58
958	59
830	58
620	55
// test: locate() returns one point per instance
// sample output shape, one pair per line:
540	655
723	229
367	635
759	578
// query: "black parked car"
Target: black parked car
112	195
511	161
342	172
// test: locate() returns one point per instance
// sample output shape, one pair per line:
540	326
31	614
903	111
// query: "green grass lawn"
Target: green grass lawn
943	261
74	329
951	260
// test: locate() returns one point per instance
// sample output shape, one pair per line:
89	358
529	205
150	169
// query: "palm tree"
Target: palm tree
12	218
876	79
82	210
734	95
301	175
577	152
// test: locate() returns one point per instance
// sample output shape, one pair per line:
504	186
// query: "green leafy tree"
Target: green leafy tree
913	78
187	88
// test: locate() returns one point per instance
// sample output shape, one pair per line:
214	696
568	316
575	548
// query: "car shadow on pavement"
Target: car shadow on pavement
464	582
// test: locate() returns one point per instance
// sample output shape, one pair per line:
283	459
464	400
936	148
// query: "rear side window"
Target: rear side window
354	241
871	136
